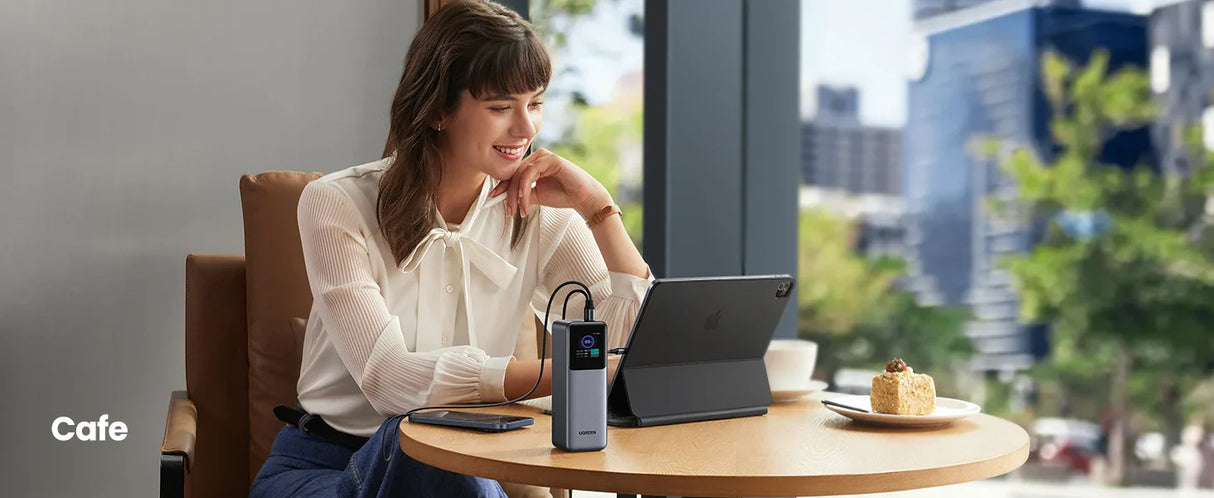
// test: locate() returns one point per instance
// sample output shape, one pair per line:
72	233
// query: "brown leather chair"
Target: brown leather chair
243	342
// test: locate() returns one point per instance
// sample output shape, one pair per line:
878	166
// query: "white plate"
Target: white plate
784	396
948	410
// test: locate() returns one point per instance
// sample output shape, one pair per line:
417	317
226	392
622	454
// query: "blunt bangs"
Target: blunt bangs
515	67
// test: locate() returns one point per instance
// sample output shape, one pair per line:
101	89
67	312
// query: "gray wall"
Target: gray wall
124	127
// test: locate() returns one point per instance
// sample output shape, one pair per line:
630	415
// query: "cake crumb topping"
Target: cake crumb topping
896	365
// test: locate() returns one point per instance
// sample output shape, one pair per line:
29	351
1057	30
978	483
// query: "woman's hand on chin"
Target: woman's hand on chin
558	183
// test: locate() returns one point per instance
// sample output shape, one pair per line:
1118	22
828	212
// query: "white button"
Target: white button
450	288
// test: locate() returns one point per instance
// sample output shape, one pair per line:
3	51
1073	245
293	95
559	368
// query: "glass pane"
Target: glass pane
593	107
1012	197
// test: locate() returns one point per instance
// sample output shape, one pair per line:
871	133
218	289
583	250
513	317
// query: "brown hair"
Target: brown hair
472	45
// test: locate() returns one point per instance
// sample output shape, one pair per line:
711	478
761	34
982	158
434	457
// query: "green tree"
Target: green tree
594	143
1122	271
836	286
598	133
851	307
558	17
930	338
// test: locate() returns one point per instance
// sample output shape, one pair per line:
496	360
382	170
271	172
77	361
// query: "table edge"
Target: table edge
700	485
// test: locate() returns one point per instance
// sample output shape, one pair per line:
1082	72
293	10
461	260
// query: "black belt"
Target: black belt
312	424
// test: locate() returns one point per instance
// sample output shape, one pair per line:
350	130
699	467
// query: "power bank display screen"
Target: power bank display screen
587	348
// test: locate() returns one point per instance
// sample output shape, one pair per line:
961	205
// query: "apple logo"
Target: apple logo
713	321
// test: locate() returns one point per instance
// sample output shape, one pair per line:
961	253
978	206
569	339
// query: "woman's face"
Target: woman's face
490	135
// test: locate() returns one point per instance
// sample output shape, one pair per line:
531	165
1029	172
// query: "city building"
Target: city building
852	169
1182	77
838	104
879	218
840	153
925	9
977	76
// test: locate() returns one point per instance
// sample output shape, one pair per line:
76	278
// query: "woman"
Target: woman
424	264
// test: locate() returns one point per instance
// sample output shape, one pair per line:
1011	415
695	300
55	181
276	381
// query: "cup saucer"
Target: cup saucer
786	395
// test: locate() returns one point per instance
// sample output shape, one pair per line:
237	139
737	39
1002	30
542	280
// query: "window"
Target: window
593	107
940	97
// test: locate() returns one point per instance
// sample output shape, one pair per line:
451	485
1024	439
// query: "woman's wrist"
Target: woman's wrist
595	203
599	217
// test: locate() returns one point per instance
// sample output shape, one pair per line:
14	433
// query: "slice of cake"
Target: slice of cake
901	391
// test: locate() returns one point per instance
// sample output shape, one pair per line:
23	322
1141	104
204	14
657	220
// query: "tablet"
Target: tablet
696	350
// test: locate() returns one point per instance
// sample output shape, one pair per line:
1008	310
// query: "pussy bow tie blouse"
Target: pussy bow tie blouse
440	327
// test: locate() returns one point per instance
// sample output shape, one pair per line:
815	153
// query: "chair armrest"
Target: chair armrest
180	427
177	448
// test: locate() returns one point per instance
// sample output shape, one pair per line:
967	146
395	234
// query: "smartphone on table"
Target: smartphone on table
485	422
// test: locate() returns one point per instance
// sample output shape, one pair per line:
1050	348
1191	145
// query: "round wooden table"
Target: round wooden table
797	449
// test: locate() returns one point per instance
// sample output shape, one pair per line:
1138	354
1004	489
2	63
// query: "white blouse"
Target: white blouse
440	327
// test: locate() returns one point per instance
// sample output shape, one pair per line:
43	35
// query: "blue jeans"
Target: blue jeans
306	466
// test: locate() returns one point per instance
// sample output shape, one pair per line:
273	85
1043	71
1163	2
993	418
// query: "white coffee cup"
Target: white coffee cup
790	363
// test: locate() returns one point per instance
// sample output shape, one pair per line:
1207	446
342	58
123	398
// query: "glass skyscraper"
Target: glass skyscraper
1182	76
978	76
931	8
924	9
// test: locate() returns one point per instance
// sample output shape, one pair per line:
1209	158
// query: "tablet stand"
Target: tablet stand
692	392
